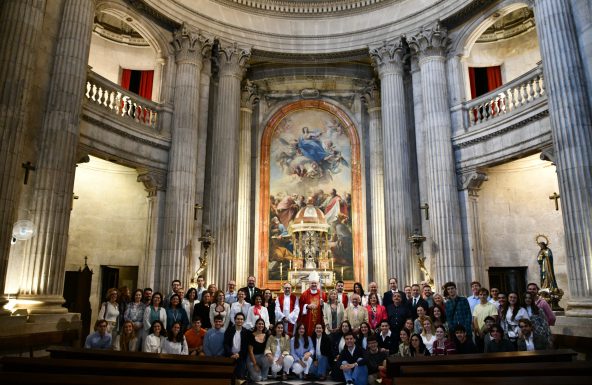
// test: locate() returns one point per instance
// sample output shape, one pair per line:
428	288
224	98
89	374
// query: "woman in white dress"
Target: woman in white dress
428	334
255	312
153	341
219	307
175	342
110	311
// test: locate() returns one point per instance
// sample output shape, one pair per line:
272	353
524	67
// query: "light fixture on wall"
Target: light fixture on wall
206	240
22	230
416	241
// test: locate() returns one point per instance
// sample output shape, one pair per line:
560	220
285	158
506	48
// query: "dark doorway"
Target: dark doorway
508	279
118	276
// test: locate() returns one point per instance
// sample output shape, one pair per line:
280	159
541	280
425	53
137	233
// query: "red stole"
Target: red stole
281	297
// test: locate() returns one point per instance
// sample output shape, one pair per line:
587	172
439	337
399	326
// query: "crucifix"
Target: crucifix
426	207
28	167
555	197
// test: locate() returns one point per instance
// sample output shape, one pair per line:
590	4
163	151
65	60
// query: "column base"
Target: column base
41	304
581	307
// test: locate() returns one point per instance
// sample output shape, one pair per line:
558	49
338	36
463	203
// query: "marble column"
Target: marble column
470	184
445	229
225	165
371	98
571	124
582	14
420	149
45	253
155	185
389	60
204	113
20	25
248	99
180	196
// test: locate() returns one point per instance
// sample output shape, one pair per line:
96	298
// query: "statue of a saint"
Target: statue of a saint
545	259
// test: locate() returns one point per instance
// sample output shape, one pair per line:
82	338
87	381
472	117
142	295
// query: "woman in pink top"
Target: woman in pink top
376	312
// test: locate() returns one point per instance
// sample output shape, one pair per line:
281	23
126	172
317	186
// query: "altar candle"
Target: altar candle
281	271
332	264
342	273
290	264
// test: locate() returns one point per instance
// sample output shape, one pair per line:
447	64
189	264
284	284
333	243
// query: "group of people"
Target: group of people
320	334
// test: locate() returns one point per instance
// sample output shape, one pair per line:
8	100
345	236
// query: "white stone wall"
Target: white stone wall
514	207
516	56
107	58
108	222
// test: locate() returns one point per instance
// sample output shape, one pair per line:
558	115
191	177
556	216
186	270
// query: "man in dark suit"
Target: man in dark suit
397	314
416	301
386	340
251	290
237	348
528	340
387	298
353	362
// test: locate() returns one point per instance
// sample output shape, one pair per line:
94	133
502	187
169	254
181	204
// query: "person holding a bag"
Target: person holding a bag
110	311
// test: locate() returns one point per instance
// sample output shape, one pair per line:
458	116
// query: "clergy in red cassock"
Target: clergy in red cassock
311	303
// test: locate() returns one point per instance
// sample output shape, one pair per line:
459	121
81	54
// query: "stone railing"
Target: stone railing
505	99
120	101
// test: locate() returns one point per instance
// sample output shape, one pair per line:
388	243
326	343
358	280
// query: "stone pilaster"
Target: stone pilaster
582	14
44	259
445	229
389	61
204	113
248	99
371	98
470	183
155	186
180	196
225	167
571	123
20	24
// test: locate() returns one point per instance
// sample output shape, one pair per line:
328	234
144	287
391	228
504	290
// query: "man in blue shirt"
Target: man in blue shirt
213	344
100	339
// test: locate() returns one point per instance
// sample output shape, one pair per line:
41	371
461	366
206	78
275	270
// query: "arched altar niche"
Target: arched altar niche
307	146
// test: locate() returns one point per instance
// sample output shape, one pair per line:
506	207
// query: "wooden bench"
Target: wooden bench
117	368
112	355
19	344
394	364
538	380
20	378
574	368
580	344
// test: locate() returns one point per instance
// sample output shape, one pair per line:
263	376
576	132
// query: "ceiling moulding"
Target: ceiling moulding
316	58
466	13
157	17
306	8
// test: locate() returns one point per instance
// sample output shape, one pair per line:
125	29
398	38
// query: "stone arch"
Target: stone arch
263	210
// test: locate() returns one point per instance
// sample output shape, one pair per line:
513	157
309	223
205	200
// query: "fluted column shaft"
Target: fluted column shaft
372	100
225	165
202	140
20	24
180	196
43	273
571	122
445	228
248	99
582	14
389	62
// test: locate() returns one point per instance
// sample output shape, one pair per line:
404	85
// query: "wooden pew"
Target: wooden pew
575	368
538	380
117	368
112	355
394	364
20	378
31	342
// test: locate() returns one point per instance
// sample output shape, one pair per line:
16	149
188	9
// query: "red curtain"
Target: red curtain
146	79
472	82
126	76
494	77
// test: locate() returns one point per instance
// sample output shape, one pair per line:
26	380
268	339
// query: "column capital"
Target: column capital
390	57
153	180
548	154
471	180
371	96
429	42
233	60
190	45
249	95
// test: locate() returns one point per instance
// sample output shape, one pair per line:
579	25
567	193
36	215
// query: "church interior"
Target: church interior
147	141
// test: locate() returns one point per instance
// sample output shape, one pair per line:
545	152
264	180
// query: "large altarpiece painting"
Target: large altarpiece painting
310	154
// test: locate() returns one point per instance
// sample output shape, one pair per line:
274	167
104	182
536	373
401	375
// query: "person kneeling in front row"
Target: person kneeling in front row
353	362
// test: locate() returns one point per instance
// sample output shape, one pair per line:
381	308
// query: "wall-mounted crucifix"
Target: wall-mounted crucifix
555	197
426	207
28	167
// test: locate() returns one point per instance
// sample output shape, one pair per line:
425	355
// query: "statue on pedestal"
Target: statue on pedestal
549	289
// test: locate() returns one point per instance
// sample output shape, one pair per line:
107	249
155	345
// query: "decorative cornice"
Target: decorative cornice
306	8
548	154
123	133
466	13
153	180
471	180
118	37
512	127
154	15
389	57
318	58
